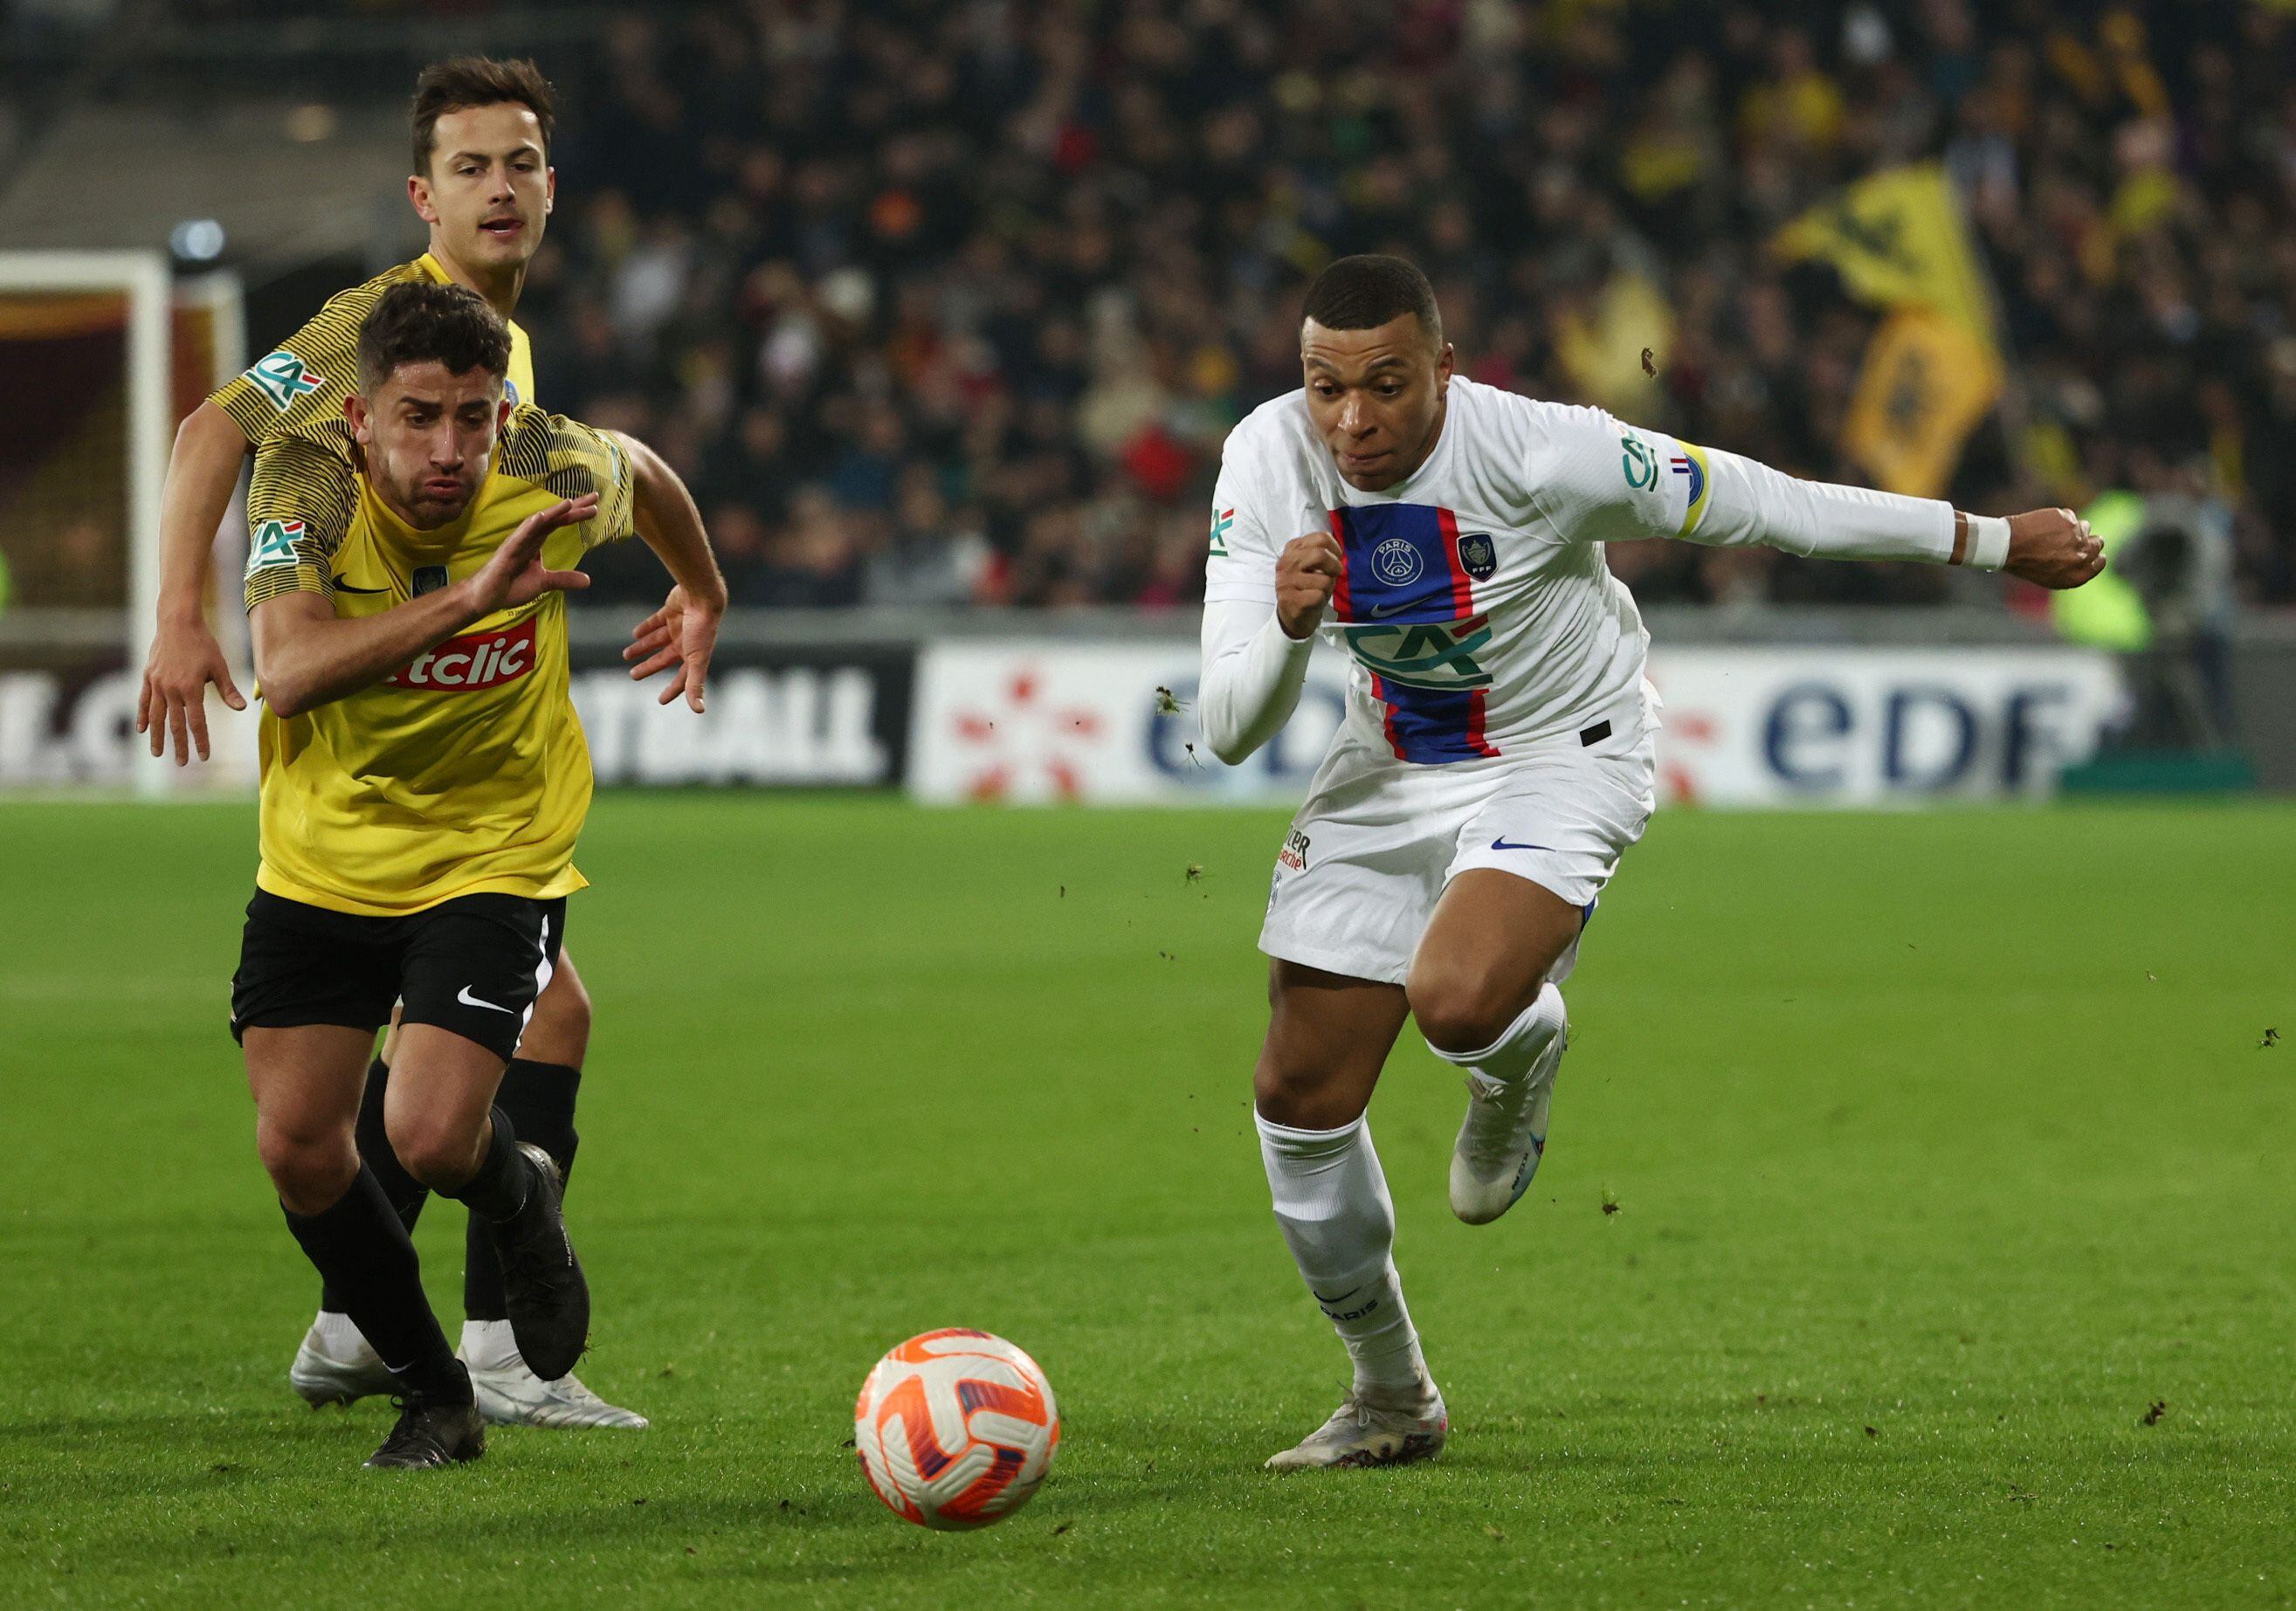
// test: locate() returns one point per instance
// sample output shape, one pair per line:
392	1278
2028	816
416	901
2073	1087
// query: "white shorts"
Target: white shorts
1378	839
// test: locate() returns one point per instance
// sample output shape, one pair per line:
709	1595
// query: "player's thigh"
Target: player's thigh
1362	863
476	966
301	965
1529	868
306	1081
435	1110
1491	944
473	971
1328	1037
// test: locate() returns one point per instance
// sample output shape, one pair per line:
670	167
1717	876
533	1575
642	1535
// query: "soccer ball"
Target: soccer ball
955	1428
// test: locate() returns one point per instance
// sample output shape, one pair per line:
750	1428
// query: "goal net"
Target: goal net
101	354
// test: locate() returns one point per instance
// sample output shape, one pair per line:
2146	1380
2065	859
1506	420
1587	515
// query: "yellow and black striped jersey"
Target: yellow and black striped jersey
297	390
465	771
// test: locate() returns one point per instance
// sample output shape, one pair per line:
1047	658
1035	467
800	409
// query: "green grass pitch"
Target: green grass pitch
1916	1229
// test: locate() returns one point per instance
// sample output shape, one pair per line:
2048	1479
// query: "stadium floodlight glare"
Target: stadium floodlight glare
196	241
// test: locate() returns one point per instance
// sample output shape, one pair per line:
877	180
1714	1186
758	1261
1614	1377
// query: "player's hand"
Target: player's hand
184	658
1305	573
515	574
2053	547
683	633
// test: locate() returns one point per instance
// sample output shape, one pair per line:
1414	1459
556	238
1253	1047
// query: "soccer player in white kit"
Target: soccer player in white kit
1494	762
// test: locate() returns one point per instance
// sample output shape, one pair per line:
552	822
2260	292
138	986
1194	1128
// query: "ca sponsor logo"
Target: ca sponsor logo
284	378
273	545
1639	463
1434	654
474	661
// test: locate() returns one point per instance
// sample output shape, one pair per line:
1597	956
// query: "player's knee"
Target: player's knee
437	1152
1304	1095
1461	1010
308	1168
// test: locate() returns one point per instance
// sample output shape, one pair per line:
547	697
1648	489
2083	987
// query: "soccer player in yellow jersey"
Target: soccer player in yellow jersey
483	184
424	781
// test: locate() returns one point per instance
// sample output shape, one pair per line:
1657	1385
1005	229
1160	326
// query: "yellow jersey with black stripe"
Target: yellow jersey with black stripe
298	389
465	771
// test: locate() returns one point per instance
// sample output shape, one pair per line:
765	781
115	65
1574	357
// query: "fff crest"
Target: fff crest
1478	556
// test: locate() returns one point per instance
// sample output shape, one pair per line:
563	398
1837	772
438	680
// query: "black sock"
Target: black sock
406	1194
365	1255
539	1098
499	1189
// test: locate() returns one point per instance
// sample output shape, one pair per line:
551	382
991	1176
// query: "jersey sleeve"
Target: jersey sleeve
1240	566
1599	481
298	508
1604	482
571	460
300	385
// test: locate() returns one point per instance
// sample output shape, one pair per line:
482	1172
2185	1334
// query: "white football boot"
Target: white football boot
1503	1137
1373	1428
509	1394
336	1366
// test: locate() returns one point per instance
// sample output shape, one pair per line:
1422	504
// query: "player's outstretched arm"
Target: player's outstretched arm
1256	659
185	657
683	633
1611	482
306	656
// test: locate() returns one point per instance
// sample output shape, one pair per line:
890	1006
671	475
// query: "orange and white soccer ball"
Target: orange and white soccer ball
955	1429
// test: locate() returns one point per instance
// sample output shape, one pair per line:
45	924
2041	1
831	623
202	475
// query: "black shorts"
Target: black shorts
472	965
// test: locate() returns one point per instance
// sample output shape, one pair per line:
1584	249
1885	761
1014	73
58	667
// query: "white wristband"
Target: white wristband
1988	541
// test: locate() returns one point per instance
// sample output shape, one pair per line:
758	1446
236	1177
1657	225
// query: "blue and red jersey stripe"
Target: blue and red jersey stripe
1399	566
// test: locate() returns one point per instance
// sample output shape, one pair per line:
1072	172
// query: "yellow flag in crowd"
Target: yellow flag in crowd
1926	384
1934	367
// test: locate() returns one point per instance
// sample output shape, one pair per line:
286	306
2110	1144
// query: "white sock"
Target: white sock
1331	1203
339	1336
1511	1056
487	1345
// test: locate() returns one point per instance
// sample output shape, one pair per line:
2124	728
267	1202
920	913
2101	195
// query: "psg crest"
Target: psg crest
1478	556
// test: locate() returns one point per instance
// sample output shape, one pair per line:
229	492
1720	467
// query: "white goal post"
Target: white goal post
162	379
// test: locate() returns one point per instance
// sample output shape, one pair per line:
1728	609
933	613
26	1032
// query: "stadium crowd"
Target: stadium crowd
948	303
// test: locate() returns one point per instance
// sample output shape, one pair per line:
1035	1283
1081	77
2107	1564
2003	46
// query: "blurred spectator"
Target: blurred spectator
956	298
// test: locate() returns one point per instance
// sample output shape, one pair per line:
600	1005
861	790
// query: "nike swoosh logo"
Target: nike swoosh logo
347	588
468	999
1378	611
1501	844
1342	1298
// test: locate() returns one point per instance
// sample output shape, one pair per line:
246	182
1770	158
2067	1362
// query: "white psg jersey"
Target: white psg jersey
1473	596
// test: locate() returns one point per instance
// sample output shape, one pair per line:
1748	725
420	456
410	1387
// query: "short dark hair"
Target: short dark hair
463	82
423	322
1364	292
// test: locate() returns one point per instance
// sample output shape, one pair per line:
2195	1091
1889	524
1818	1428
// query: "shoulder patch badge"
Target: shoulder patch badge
284	379
1222	520
274	544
